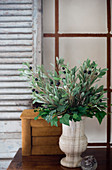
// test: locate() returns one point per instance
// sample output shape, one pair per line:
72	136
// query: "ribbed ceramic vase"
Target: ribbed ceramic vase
73	142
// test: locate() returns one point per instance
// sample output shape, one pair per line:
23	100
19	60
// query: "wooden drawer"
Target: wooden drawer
38	137
46	131
46	150
45	141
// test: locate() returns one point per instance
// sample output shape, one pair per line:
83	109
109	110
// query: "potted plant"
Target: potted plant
69	96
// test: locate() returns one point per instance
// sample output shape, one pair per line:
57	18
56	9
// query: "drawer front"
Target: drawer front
46	150
46	131
42	123
44	141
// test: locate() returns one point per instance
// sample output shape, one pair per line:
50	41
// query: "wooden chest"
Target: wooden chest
38	137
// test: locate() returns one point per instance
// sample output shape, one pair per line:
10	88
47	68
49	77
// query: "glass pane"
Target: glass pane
48	16
76	50
94	131
48	52
82	16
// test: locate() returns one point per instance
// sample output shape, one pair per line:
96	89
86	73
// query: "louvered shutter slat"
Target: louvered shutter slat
18	24
19	42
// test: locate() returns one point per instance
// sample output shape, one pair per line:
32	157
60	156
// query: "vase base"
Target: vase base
70	163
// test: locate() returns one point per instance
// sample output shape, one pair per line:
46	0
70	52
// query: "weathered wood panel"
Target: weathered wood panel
15	18
19	36
8	147
14	78
4	164
9	144
9	73
15	60
6	126
37	32
7	155
10	115
11	66
15	42
13	108
14	97
16	46
15	1
15	91
15	103
14	135
17	6
14	84
15	12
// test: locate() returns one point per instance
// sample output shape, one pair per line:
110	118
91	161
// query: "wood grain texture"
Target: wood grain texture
15	103
26	137
42	123
6	126
45	141
46	131
37	33
10	115
15	18
29	114
46	150
15	1
16	6
44	138
15	42
18	36
15	12
15	60
52	162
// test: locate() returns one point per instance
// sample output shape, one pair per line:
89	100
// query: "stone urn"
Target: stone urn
73	142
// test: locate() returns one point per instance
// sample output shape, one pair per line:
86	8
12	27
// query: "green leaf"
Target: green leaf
65	119
100	89
100	115
61	60
75	116
61	108
82	109
52	111
54	121
35	118
56	78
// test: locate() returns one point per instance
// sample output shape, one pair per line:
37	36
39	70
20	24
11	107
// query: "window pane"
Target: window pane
94	131
76	50
48	52
82	16
48	16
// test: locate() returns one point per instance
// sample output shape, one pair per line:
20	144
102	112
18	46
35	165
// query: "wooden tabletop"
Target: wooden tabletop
103	156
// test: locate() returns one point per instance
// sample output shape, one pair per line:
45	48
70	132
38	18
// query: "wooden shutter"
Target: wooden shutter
20	41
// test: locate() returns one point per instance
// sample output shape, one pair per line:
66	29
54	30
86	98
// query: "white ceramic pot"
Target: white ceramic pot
73	142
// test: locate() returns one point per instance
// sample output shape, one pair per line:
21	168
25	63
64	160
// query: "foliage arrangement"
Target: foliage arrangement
68	94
